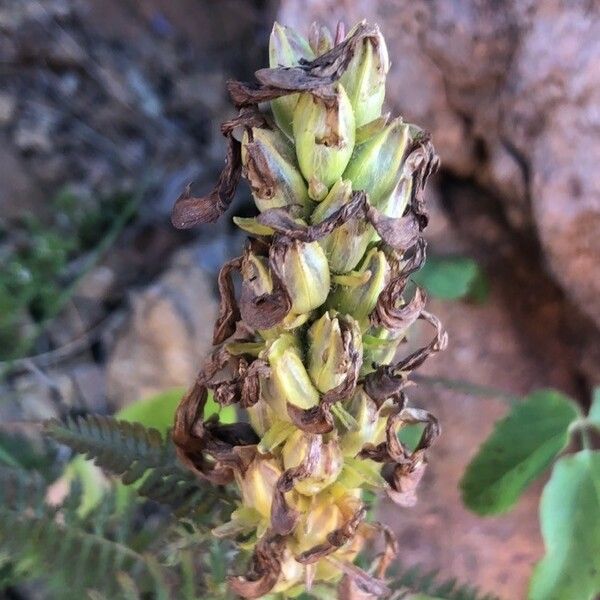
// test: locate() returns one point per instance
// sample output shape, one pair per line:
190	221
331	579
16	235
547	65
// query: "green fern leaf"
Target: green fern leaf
125	449
71	559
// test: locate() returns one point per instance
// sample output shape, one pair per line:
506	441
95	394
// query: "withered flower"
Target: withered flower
308	347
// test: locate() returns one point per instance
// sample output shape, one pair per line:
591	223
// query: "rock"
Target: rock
168	332
510	92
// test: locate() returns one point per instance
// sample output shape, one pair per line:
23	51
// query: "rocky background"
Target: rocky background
116	97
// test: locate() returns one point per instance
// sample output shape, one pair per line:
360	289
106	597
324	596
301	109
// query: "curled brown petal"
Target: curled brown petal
390	550
336	539
314	76
361	579
266	310
283	222
189	211
283	516
388	380
399	233
422	161
388	315
229	312
405	481
251	383
265	568
316	420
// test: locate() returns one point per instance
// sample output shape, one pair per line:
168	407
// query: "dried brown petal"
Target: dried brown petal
388	315
315	76
229	312
388	380
336	539
361	579
312	420
190	211
266	310
251	383
422	160
281	221
264	569
399	233
284	517
406	479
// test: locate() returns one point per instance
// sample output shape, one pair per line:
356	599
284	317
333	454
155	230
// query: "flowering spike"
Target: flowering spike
308	344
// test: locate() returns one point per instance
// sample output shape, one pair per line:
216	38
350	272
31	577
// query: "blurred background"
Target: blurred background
109	107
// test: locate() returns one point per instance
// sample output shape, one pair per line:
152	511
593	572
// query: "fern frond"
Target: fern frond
415	580
137	455
69	557
22	490
123	448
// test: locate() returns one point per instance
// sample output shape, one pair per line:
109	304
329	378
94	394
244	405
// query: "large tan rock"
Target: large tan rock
168	332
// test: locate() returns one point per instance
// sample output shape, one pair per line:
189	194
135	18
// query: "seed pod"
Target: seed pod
346	245
375	163
360	300
306	276
324	138
258	483
270	166
364	80
328	467
289	381
333	341
286	48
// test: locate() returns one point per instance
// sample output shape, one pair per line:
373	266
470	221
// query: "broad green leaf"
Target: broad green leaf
570	522
452	278
521	446
594	414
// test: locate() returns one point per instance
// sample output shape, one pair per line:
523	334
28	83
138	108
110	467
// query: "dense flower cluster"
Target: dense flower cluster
309	345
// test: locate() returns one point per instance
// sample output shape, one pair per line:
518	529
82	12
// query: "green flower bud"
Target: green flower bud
347	244
286	48
324	138
289	381
360	300
272	171
329	359
306	276
328	468
257	485
375	164
364	80
366	414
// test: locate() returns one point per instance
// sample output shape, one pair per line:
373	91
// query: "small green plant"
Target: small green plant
37	255
522	446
